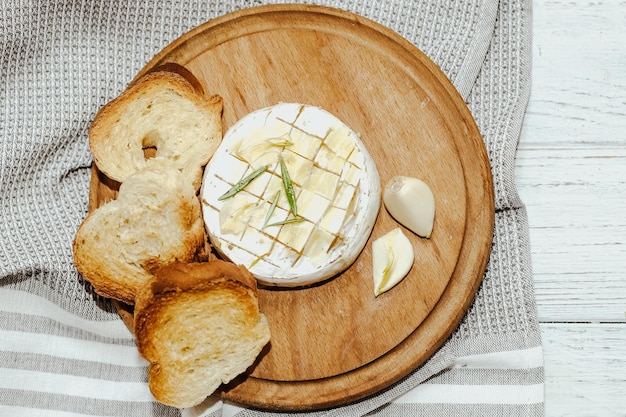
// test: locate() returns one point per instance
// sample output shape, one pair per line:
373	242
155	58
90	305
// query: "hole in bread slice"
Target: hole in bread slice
149	143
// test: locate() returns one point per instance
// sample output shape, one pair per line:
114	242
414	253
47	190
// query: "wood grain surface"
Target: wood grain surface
571	171
335	343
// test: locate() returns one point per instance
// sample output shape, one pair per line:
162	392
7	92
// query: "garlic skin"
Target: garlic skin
392	257
411	202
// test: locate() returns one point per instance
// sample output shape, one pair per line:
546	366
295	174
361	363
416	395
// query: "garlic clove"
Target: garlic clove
392	257
411	202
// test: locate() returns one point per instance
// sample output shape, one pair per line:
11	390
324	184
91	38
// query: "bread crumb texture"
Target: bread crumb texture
156	220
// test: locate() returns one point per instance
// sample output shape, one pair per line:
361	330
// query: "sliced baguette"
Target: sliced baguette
199	326
164	110
154	221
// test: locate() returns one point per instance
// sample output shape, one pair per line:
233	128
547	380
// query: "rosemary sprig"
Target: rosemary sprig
297	219
284	173
242	184
269	213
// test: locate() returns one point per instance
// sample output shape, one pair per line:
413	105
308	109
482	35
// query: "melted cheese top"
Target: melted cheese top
333	185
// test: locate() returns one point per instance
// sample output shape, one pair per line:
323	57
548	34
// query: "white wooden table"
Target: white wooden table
571	174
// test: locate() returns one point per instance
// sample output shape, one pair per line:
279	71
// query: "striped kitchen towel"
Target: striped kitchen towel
65	352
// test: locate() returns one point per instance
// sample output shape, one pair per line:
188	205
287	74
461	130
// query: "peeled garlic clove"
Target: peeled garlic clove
392	256
411	202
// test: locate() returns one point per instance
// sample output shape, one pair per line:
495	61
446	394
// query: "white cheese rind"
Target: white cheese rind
336	184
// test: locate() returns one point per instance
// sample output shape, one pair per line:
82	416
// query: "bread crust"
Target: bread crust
180	276
173	67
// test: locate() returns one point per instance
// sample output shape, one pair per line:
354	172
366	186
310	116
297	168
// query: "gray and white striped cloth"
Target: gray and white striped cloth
65	352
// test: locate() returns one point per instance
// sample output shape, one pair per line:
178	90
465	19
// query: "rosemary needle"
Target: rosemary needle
269	213
288	187
242	184
288	221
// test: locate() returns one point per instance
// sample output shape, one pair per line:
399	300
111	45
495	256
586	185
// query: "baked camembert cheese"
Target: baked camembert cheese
292	194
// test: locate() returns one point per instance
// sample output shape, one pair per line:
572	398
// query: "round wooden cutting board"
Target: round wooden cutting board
336	342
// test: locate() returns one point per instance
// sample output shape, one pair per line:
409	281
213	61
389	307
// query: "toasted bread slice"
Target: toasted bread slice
199	326
154	221
165	110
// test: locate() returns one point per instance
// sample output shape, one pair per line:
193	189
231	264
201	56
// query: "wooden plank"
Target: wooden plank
585	369
577	218
578	77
